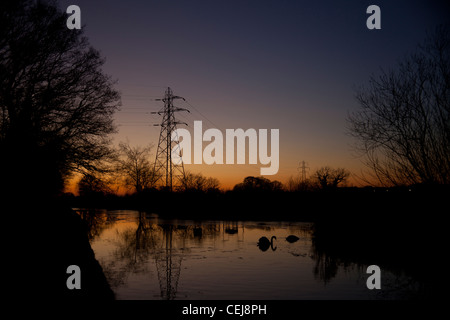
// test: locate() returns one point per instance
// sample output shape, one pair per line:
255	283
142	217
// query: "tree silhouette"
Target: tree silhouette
296	183
403	124
56	104
329	178
258	184
134	168
198	182
92	186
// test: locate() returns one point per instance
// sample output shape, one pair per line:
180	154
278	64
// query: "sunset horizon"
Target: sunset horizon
286	70
235	156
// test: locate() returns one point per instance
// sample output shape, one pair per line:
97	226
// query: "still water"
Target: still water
146	257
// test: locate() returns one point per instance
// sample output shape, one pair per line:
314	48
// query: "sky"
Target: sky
287	64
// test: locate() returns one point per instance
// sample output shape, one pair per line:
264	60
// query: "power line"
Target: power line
201	114
132	122
134	112
139	96
133	125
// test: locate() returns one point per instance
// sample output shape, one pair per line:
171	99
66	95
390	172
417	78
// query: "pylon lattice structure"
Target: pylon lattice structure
303	168
166	171
168	265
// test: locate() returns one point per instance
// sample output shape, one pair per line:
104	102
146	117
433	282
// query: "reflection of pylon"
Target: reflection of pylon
165	169
168	267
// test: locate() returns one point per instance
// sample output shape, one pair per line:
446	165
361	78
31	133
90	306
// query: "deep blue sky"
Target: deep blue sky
291	65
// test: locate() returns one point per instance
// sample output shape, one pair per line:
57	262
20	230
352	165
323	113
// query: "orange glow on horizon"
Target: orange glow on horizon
228	176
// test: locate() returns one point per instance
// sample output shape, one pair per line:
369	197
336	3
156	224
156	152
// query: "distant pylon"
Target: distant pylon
165	170
303	168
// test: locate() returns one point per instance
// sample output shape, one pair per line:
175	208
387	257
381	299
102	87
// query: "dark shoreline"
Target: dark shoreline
48	239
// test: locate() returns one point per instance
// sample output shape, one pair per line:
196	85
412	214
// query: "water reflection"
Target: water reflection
291	238
168	264
264	243
96	221
145	257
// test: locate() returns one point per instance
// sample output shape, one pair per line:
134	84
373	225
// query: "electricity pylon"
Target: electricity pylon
303	168
165	169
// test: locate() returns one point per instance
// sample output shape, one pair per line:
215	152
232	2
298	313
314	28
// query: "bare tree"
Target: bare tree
198	182
212	184
134	167
296	183
90	185
56	104
329	178
403	124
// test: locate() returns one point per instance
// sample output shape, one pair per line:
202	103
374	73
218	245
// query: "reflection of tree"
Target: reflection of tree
134	248
328	250
145	235
304	230
95	221
337	246
165	243
326	267
231	227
